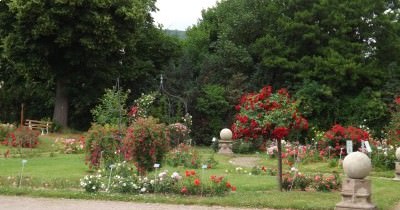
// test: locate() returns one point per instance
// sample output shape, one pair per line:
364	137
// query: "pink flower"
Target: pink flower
184	190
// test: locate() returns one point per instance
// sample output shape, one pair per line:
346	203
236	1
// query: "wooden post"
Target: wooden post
279	164
22	114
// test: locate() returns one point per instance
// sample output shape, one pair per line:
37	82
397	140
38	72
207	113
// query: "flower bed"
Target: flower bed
124	180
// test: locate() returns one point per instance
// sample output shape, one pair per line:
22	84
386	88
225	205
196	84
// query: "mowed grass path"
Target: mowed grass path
252	191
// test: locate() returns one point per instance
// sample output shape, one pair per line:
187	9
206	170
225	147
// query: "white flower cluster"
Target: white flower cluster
92	183
144	102
124	181
176	176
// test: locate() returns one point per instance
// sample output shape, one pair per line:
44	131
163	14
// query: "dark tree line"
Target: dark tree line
339	59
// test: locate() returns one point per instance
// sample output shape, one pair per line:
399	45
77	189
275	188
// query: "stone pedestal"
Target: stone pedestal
356	194
225	147
397	172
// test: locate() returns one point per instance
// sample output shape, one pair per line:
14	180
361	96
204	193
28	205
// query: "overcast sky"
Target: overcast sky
180	14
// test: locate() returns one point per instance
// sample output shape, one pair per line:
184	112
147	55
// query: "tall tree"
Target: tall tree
335	54
77	44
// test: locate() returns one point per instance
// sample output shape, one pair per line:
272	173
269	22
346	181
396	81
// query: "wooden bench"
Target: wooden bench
38	125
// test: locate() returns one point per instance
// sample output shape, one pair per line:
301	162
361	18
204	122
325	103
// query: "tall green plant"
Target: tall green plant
111	109
211	107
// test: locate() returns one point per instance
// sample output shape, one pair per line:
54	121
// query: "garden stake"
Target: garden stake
340	156
22	171
109	178
101	158
156	166
203	167
329	152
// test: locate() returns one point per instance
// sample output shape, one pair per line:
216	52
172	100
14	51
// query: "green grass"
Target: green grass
60	166
252	191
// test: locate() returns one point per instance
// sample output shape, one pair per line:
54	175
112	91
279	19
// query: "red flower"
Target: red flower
196	182
228	185
192	172
233	188
280	132
184	190
237	107
133	111
397	100
187	173
283	91
253	124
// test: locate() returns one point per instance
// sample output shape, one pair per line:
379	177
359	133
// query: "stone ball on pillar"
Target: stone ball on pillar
225	134
357	165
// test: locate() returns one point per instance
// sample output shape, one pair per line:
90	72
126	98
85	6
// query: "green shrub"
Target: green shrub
5	129
92	183
242	147
385	159
179	133
22	137
183	155
103	144
326	183
193	185
111	109
212	107
146	143
190	184
393	129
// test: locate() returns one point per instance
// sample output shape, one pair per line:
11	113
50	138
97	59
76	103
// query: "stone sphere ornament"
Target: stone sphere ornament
225	134
398	153
357	165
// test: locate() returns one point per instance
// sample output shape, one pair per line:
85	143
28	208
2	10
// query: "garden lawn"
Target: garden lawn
252	191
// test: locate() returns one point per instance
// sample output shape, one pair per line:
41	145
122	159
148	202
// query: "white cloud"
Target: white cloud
180	14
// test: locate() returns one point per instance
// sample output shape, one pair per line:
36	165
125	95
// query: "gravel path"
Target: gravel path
28	203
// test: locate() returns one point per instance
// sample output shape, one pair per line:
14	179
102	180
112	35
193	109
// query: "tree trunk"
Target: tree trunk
60	114
279	164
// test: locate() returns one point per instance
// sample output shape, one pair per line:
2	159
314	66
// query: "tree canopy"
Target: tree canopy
339	59
81	47
335	55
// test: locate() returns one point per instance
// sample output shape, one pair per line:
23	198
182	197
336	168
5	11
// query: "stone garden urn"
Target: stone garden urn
397	172
225	142
356	190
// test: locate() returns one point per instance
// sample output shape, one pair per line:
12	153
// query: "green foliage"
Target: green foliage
5	129
43	43
242	147
142	105
146	143
211	107
102	145
340	56
384	159
179	134
91	183
184	155
393	128
111	109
